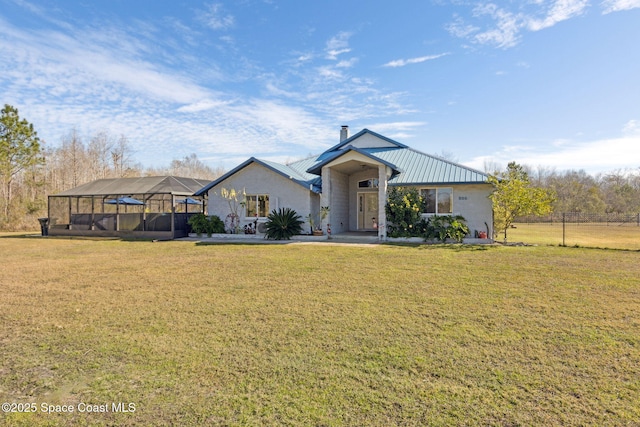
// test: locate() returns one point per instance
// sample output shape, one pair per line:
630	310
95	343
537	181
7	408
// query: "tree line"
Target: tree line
577	191
30	170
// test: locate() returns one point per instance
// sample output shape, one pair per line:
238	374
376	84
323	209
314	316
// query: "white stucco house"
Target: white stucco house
353	178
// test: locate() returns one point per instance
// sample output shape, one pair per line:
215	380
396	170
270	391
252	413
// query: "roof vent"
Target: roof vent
344	133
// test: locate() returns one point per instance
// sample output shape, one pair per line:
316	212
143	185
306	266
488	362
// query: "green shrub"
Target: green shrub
283	224
201	223
446	227
216	224
404	212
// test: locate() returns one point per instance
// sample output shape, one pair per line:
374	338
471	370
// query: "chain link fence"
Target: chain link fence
612	230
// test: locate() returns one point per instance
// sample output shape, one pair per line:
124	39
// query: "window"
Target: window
368	183
438	200
257	205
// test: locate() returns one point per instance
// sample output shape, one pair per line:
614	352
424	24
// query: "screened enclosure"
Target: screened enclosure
151	207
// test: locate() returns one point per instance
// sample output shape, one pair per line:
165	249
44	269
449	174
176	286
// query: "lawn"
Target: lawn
178	333
598	235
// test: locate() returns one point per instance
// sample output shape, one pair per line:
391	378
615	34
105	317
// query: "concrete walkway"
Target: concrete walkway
350	237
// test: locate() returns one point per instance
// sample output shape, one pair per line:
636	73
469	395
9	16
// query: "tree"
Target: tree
192	167
576	191
19	149
514	196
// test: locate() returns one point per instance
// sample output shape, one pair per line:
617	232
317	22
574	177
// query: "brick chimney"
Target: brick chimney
344	133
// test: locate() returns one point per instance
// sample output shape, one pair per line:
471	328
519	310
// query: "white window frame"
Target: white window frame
370	183
255	198
437	189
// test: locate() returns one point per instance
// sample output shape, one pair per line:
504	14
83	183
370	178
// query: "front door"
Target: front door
367	211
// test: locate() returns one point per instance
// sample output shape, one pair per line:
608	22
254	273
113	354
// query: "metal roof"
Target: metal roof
420	168
410	167
141	185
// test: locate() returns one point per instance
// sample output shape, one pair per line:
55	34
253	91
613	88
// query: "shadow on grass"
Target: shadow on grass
457	247
245	243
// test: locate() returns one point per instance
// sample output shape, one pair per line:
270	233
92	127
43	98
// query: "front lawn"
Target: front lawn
317	334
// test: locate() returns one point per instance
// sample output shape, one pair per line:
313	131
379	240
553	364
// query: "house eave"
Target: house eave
317	169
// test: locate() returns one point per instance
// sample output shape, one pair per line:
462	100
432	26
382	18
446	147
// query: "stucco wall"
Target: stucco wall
472	202
257	179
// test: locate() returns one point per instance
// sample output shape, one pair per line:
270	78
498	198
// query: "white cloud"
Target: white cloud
215	18
507	26
560	10
619	5
141	82
632	127
501	27
203	105
403	62
338	45
347	63
593	156
460	28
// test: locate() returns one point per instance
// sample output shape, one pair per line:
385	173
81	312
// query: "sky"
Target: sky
546	83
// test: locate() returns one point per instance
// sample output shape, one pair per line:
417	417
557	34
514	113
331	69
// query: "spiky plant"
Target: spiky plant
283	223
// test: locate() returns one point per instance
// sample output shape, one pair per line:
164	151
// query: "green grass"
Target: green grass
593	235
322	335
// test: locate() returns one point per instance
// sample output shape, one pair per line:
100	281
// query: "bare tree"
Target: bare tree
122	158
99	153
74	159
193	167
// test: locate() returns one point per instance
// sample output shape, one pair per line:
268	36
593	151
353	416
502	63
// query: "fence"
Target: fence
613	230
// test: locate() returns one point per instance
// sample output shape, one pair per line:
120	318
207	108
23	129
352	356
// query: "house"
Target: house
353	178
148	207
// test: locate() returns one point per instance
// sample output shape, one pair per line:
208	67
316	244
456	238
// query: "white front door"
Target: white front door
368	211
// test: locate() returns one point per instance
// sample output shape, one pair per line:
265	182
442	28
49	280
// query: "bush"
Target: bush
446	227
283	224
404	212
202	223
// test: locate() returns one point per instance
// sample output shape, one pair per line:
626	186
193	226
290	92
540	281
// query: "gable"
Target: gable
267	170
369	140
366	139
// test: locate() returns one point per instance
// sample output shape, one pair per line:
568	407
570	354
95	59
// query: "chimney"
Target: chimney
344	133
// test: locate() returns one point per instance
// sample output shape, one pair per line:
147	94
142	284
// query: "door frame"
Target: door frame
361	202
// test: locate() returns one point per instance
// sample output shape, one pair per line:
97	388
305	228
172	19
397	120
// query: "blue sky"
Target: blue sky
553	83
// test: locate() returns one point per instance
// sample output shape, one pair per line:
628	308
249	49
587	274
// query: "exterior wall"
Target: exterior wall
473	203
257	179
339	202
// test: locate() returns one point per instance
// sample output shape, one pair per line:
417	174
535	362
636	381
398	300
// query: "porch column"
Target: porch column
325	196
382	201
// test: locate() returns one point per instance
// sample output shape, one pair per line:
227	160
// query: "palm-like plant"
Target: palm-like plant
283	223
